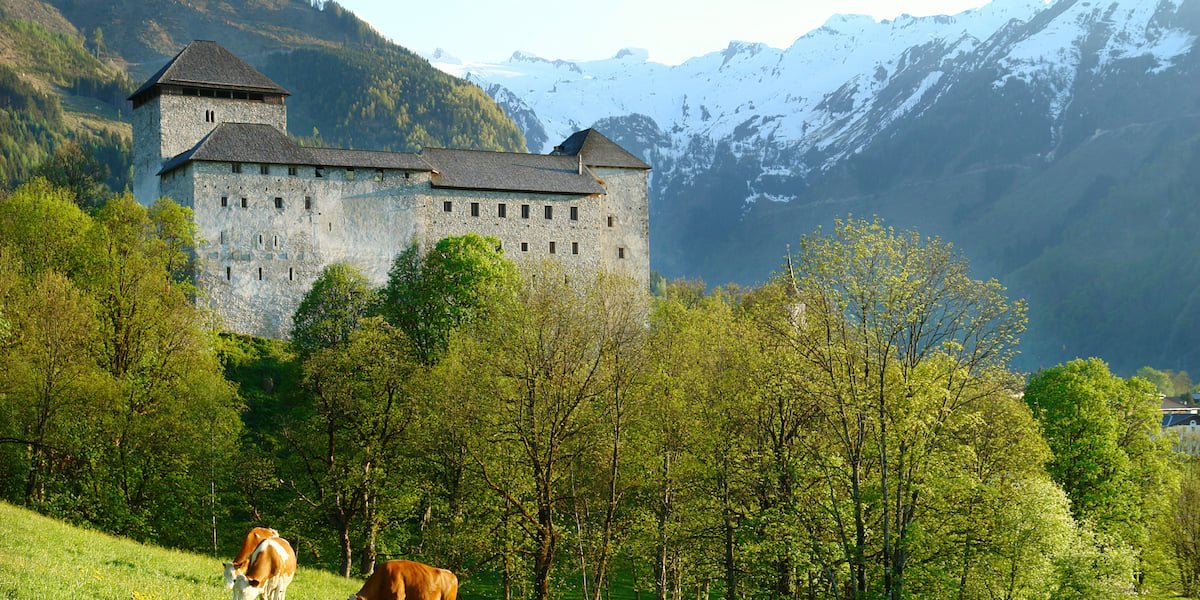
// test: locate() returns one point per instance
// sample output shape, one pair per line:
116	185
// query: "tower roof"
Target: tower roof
599	151
205	64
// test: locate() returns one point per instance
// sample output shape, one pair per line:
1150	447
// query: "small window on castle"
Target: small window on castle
278	202
349	173
549	212
447	206
260	273
264	169
291	171
502	211
551	247
236	167
222	236
620	253
610	221
228	273
524	246
308	203
378	174
574	247
524	211
291	277
474	209
243	203
275	242
319	172
224	201
574	213
260	244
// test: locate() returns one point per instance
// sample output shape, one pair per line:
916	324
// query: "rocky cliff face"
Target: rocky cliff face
1050	141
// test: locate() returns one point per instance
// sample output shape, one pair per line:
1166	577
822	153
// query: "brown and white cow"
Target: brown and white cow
238	566
408	580
270	569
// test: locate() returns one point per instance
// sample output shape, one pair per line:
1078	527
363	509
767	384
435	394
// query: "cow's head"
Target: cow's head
231	572
246	589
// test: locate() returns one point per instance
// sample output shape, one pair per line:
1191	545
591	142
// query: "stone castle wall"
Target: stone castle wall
267	236
189	121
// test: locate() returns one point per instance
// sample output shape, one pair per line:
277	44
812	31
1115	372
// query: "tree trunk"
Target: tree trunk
543	557
730	567
344	541
665	507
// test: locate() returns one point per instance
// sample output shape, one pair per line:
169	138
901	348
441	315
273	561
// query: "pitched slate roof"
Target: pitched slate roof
244	142
599	151
258	143
510	171
368	159
461	169
206	64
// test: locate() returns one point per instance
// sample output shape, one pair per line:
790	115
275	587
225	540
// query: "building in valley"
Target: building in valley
209	131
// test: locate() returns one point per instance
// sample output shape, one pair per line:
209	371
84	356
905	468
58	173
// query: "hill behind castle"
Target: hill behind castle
68	66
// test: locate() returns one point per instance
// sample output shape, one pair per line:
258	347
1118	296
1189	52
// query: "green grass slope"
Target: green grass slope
45	559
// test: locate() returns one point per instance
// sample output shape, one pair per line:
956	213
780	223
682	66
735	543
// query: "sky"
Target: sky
672	31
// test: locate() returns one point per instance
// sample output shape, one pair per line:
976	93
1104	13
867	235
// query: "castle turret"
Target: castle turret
203	86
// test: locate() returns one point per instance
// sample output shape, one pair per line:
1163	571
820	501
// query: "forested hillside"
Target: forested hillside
68	67
54	93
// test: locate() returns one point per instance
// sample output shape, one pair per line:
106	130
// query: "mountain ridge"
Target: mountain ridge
1003	129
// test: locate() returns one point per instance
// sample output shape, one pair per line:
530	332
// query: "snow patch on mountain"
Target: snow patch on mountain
827	96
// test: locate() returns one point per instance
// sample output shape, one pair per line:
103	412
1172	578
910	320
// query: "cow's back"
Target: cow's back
239	563
409	580
271	568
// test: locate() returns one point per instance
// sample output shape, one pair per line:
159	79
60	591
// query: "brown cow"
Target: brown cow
405	579
271	568
238	566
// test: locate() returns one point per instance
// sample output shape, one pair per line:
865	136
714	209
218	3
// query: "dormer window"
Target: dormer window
235	167
264	169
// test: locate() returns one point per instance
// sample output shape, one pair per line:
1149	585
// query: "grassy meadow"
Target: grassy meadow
41	558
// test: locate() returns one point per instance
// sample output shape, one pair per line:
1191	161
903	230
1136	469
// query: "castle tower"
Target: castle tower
203	86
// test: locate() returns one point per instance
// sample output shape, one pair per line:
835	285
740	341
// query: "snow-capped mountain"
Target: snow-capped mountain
1001	129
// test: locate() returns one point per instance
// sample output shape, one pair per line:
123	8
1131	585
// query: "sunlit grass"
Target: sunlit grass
44	559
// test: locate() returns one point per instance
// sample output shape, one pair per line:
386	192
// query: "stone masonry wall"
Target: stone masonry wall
625	242
260	258
537	236
188	125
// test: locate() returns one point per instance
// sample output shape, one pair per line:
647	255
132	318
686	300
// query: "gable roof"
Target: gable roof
461	169
599	151
206	64
510	171
243	142
259	143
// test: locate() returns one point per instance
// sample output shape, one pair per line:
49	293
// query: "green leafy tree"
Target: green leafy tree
345	447
431	293
893	342
75	168
1109	454
1182	526
44	229
541	372
329	313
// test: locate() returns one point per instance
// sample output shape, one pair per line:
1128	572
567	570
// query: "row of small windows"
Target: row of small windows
553	248
502	211
278	202
293	171
259	275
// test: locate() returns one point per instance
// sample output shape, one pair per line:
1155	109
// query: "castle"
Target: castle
209	132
